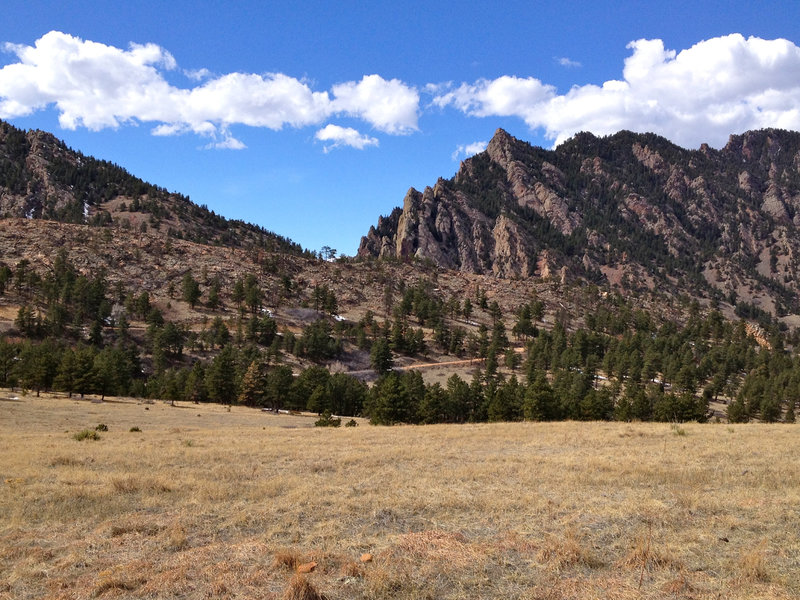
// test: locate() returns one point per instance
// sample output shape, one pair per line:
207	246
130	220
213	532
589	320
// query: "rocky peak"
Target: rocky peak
500	147
627	204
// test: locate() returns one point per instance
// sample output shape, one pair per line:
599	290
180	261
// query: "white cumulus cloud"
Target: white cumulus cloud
704	93
94	85
505	96
700	94
390	106
337	136
467	150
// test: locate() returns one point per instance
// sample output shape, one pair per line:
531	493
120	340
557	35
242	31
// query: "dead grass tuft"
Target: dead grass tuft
115	579
177	539
287	559
753	564
126	528
679	586
352	569
126	485
65	461
299	588
440	547
646	555
132	485
565	551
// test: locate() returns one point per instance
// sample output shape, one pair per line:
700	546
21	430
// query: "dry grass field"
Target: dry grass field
206	503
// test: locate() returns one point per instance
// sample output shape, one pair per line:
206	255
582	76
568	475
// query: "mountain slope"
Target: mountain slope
41	178
628	209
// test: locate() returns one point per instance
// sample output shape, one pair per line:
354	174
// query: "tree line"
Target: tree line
618	364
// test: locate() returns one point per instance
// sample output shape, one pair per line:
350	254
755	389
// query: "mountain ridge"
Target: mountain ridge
632	207
40	177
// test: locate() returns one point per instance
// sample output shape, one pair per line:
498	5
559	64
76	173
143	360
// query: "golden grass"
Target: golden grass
208	503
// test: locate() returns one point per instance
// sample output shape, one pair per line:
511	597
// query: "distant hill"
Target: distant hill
41	178
632	210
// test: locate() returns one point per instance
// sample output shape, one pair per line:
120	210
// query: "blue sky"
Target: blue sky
314	118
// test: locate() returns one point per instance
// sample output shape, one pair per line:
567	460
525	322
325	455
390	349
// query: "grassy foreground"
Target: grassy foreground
206	503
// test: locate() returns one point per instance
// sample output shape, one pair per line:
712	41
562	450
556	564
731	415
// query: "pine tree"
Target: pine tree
381	356
253	384
191	289
788	417
540	403
220	380
67	371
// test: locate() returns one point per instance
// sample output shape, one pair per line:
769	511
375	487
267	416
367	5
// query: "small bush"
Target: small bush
86	434
678	430
326	420
134	429
351	423
101	427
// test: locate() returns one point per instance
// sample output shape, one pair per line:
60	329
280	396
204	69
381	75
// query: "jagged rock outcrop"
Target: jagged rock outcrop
628	204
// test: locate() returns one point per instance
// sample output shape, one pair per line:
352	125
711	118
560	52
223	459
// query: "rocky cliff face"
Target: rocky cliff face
630	209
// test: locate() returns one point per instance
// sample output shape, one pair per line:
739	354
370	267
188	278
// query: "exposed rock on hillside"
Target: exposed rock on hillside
634	205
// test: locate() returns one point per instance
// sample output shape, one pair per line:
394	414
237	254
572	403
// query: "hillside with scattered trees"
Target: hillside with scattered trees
170	308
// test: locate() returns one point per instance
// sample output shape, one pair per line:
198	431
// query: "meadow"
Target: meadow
196	501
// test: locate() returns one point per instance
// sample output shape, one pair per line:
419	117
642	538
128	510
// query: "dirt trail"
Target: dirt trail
451	363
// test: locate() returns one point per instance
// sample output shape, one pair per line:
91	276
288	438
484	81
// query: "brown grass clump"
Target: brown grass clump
287	559
65	461
126	485
177	539
132	484
679	586
299	588
135	527
646	554
565	551
437	546
753	564
117	578
352	569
